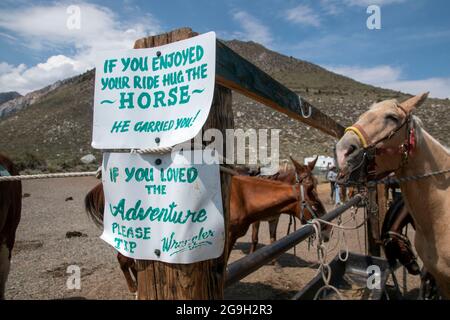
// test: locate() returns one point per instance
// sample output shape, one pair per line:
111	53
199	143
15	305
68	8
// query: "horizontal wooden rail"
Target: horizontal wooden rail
244	266
236	73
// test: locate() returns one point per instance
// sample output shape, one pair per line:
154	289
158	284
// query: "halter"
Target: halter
303	203
363	167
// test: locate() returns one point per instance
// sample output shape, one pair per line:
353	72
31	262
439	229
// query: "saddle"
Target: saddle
396	245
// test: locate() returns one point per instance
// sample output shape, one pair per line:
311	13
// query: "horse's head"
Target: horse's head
379	141
310	205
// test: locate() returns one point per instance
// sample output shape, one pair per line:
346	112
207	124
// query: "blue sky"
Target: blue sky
411	51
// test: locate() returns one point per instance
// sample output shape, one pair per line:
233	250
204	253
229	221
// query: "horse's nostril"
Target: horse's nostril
351	150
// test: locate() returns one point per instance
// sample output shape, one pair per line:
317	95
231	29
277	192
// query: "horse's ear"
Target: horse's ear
414	102
312	164
297	165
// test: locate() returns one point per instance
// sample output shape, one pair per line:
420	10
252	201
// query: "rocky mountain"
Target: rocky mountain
6	96
19	102
50	129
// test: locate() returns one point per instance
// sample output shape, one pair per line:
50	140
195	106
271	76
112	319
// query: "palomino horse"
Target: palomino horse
388	138
10	209
251	199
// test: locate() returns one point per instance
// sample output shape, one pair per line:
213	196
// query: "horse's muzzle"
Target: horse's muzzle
359	168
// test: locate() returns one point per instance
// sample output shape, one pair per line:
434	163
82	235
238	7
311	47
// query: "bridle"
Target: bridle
362	166
303	202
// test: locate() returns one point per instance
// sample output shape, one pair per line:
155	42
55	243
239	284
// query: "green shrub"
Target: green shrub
30	161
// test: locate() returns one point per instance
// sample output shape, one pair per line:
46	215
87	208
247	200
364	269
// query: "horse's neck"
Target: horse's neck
275	200
428	156
421	195
287	176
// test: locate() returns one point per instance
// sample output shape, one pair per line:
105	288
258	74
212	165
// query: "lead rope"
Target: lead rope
97	173
324	267
295	229
389	180
322	250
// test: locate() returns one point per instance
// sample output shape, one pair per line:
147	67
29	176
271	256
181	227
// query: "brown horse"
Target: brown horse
10	210
94	203
286	175
255	199
388	138
300	200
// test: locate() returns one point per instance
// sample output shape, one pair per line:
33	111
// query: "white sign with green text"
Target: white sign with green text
156	97
159	208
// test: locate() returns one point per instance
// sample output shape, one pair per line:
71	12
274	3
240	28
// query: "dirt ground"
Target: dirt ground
43	253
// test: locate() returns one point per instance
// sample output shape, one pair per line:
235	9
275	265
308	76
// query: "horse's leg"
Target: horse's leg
273	224
343	194
4	269
133	269
135	274
255	231
124	263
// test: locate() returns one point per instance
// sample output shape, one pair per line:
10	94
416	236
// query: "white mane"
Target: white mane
418	125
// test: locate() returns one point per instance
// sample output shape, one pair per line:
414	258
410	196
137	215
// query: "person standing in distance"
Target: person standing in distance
331	177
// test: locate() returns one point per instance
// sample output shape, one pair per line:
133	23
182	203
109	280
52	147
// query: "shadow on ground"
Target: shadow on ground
256	290
285	260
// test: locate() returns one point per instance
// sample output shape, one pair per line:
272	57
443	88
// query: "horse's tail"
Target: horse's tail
94	203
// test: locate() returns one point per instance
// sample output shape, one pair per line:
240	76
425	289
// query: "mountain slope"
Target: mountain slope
6	96
54	130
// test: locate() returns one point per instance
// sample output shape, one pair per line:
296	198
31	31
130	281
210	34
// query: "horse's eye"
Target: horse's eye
392	118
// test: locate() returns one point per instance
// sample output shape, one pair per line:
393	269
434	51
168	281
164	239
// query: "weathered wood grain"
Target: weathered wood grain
205	279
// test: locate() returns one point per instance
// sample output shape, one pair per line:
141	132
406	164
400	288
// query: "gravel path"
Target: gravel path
42	254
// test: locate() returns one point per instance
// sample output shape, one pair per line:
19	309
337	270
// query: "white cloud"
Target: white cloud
335	7
391	77
330	7
45	27
303	14
438	87
366	3
376	75
23	79
253	29
5	67
98	26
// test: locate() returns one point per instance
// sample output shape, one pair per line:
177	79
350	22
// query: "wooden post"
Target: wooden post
382	203
202	280
373	222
